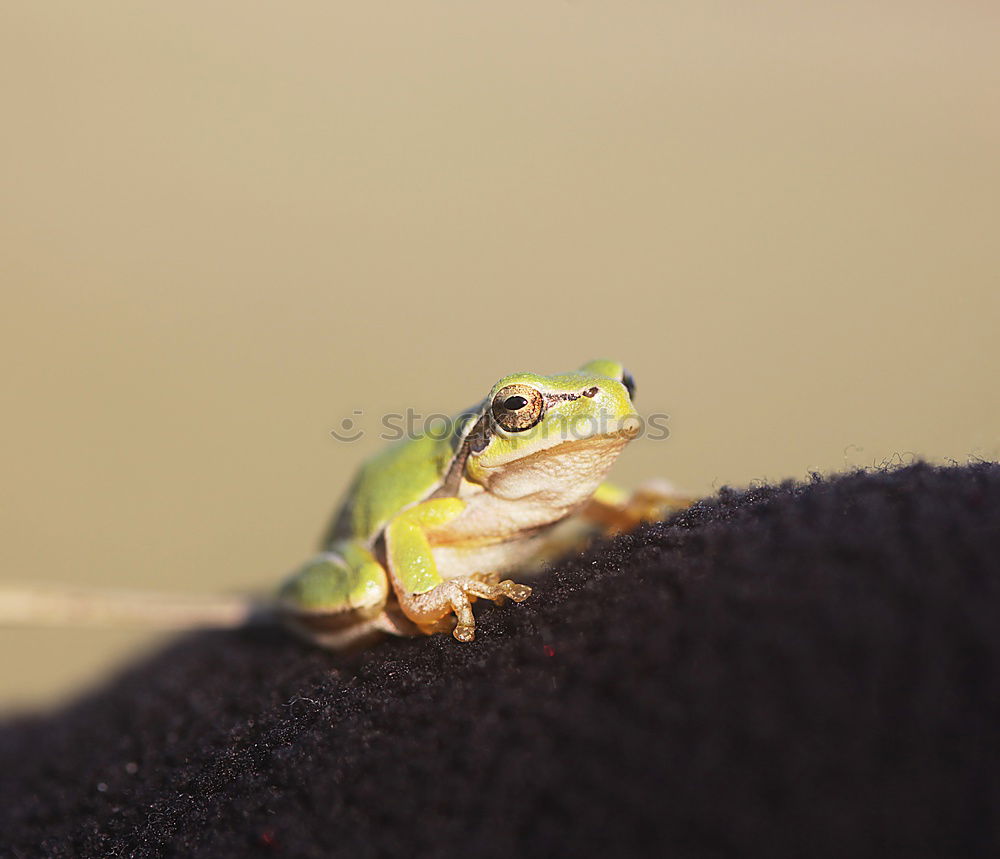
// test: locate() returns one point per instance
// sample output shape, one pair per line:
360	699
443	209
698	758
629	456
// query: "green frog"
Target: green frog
435	522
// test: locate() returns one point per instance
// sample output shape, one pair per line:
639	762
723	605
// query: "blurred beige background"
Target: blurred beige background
227	226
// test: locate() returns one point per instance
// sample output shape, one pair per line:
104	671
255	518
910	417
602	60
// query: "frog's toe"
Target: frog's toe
497	590
464	631
514	590
485	586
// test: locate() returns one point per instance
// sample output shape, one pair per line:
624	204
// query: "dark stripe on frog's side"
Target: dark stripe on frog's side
476	438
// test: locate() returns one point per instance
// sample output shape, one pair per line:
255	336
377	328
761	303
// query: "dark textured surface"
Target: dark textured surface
807	670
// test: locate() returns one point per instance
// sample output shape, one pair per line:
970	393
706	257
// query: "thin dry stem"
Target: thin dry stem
37	606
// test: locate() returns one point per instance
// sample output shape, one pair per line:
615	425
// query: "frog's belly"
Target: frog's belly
522	554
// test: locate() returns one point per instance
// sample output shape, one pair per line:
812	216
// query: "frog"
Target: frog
433	523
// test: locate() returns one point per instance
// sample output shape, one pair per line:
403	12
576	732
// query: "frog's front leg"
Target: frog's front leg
424	597
615	510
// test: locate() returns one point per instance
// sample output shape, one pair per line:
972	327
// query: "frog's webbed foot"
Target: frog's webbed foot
616	511
456	596
488	586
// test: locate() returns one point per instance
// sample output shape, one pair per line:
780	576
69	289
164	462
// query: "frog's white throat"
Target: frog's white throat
561	477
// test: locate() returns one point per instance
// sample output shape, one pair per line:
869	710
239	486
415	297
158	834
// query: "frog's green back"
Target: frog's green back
402	474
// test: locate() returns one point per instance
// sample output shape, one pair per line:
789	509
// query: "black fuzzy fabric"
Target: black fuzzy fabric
802	670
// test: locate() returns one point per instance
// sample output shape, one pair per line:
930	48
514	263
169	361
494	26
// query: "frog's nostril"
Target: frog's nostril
631	425
591	392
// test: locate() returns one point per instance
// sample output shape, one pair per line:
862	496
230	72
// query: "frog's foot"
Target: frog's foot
616	511
655	500
489	587
430	610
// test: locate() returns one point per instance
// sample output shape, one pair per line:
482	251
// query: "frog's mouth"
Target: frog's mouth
609	443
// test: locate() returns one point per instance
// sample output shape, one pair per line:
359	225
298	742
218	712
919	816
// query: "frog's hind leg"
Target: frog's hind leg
614	510
338	598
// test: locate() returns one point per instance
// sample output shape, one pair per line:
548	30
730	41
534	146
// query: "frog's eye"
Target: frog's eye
518	407
629	384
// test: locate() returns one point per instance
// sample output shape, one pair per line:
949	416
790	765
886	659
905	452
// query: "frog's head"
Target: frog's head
558	433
